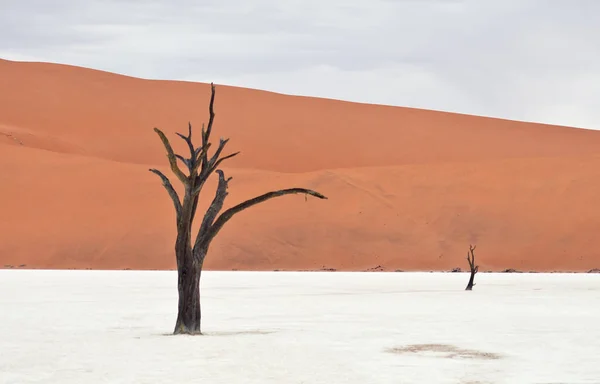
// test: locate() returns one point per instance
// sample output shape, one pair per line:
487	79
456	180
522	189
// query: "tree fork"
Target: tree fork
474	268
190	253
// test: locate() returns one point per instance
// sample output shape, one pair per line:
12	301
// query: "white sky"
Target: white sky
535	60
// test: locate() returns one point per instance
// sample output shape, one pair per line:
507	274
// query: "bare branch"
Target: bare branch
184	161
211	119
172	158
188	138
211	111
193	211
196	154
222	143
204	176
218	162
471	256
200	153
228	214
213	163
169	187
203	132
214	208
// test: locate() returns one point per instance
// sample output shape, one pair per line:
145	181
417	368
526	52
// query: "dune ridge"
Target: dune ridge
408	189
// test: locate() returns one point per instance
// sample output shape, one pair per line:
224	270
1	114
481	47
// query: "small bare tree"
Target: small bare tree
474	268
190	253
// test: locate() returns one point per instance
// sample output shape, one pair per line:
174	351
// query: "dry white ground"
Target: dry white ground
279	327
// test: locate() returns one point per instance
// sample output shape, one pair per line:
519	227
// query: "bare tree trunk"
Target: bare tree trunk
471	283
188	315
474	268
188	285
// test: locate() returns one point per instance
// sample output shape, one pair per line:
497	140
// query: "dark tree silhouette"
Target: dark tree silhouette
474	268
189	252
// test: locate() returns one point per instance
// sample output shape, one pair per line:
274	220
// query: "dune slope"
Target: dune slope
408	189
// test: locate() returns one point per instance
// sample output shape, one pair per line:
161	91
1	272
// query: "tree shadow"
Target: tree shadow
227	333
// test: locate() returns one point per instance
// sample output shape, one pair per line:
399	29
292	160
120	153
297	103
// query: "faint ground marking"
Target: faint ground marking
444	351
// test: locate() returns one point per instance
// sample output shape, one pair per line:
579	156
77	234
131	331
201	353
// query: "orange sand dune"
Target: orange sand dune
408	189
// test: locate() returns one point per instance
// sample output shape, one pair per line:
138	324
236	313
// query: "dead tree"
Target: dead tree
474	268
190	252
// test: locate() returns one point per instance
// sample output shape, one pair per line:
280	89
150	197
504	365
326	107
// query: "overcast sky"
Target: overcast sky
534	60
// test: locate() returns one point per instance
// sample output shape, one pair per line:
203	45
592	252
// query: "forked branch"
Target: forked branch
215	161
211	165
172	157
188	139
471	258
191	162
199	165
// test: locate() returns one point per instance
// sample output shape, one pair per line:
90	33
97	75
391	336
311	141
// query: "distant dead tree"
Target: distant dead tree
474	268
190	253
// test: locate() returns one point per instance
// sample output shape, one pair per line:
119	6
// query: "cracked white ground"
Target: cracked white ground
283	327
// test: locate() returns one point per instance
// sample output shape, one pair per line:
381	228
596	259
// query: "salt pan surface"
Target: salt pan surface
283	327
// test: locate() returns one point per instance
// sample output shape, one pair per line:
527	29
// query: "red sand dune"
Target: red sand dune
408	189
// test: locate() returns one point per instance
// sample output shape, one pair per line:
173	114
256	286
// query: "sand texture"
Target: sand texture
408	189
